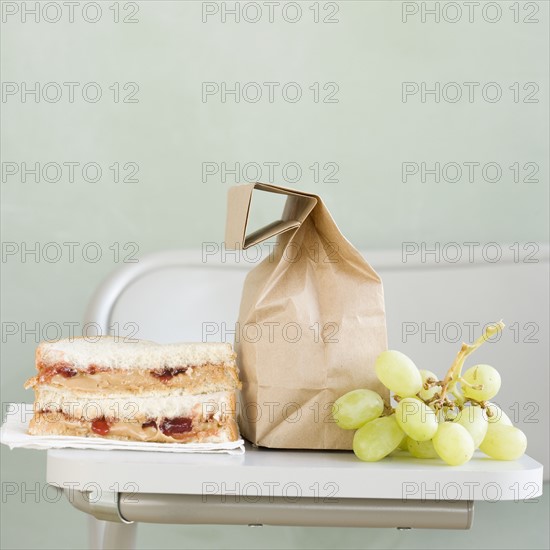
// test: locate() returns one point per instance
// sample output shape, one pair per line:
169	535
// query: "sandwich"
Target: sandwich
139	390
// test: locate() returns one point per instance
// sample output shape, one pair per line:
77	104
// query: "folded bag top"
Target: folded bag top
311	323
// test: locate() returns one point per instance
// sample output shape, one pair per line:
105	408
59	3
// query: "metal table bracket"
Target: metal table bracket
235	510
103	505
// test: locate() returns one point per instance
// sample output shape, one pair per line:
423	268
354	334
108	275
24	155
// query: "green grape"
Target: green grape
429	393
498	416
377	439
453	443
474	420
481	375
421	449
446	413
356	408
416	419
403	445
398	373
504	442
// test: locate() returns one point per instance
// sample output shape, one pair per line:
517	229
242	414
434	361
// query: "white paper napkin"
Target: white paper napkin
14	434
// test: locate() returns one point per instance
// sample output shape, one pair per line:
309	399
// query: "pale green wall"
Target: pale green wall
170	132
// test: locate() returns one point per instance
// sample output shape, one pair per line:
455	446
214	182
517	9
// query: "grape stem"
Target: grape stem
454	374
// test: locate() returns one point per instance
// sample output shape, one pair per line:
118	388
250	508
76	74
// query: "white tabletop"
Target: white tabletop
292	474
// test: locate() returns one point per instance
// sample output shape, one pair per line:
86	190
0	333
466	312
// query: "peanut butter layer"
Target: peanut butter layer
197	430
202	379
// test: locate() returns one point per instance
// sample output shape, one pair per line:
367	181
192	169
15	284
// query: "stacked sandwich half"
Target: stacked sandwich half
136	390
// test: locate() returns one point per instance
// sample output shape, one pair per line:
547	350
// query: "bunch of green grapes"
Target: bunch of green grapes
432	418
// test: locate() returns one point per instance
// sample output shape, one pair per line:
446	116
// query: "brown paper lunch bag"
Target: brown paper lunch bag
311	323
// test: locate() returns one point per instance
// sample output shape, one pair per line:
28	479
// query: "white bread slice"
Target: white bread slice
132	408
116	353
